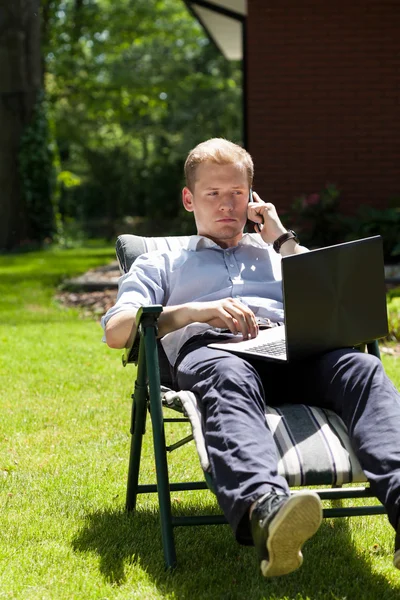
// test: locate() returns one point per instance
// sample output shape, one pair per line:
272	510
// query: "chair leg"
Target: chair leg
159	448
138	423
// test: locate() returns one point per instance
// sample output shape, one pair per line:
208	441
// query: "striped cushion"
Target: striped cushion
313	444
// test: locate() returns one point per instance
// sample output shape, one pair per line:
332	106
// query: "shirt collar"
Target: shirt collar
197	242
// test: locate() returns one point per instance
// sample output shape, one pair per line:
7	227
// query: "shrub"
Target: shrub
317	218
394	318
38	175
372	221
319	221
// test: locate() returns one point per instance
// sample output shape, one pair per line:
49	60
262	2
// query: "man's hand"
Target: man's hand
228	313
265	214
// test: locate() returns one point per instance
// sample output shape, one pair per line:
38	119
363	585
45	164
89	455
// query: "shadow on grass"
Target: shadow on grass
212	565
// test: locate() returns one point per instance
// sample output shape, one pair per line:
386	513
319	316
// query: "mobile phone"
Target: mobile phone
255	225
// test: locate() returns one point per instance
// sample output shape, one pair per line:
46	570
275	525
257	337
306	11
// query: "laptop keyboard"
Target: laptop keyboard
272	348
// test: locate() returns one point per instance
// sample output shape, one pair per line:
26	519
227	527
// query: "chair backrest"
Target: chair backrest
129	247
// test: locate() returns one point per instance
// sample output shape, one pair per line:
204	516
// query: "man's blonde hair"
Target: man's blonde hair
218	151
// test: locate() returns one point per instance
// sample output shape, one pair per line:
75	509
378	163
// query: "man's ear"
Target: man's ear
187	199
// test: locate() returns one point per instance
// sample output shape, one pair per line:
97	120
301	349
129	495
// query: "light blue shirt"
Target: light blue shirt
202	272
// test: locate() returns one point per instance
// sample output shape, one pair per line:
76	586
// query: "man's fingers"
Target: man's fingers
230	312
244	319
257	211
230	322
257	198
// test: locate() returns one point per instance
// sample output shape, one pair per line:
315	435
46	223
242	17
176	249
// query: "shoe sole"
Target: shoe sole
293	525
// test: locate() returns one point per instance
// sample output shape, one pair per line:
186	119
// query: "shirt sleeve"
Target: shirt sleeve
143	285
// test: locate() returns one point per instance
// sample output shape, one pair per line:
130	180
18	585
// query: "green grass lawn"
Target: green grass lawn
64	444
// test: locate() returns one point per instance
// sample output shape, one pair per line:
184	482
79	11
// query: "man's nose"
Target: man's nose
226	202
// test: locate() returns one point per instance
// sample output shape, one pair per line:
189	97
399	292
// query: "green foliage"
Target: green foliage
320	222
37	174
393	293
68	179
394	317
385	222
134	85
316	217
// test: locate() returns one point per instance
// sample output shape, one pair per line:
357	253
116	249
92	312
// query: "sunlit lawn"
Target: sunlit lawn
64	443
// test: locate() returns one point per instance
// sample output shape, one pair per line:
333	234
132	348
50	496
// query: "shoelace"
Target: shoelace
270	502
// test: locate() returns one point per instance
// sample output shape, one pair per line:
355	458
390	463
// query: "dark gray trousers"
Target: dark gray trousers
241	449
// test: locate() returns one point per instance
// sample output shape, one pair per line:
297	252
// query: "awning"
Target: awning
223	22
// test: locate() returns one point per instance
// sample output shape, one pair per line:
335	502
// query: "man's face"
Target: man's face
219	202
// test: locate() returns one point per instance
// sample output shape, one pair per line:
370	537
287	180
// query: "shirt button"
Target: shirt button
231	265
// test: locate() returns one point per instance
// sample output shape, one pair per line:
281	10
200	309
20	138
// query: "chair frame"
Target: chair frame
146	398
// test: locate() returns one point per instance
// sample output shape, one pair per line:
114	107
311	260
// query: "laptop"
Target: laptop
334	297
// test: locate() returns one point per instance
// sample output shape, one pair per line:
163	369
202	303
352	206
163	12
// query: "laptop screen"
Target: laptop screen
334	297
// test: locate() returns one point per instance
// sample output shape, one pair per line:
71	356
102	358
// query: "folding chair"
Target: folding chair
313	445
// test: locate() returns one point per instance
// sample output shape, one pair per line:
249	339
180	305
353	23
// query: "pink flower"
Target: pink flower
312	199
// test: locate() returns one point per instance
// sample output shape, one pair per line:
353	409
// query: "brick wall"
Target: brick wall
324	98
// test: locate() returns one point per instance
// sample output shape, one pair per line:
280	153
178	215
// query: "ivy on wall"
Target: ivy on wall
37	173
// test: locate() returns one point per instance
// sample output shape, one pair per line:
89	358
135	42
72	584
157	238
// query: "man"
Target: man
225	283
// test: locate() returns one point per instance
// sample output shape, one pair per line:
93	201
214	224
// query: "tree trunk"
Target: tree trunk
20	81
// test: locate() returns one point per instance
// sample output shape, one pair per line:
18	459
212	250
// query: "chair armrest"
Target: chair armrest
147	316
373	348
